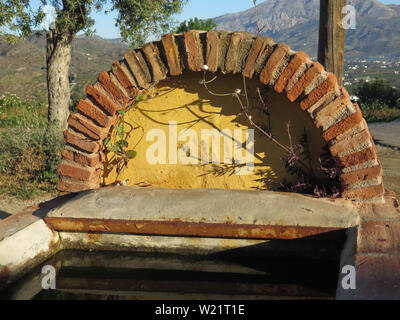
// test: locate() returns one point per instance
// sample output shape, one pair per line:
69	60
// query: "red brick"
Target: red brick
138	67
112	88
81	141
379	237
281	50
90	110
90	160
358	158
350	143
212	50
364	193
344	125
73	170
295	63
319	92
306	79
257	50
124	80
239	46
192	43
328	111
158	69
172	54
87	127
362	175
378	277
66	184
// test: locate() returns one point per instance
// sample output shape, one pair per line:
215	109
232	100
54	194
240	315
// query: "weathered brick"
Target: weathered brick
281	50
80	141
73	170
158	70
305	80
139	67
344	125
212	50
239	47
66	184
379	237
194	50
364	193
350	143
323	115
358	157
295	63
87	127
90	159
90	110
123	78
109	106
319	92
112	89
172	54
260	50
362	175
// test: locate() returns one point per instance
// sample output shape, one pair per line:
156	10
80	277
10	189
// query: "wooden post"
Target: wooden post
332	37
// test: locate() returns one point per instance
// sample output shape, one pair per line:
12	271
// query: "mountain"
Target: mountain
21	65
296	22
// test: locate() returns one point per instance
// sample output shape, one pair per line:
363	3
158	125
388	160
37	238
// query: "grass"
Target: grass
376	112
29	154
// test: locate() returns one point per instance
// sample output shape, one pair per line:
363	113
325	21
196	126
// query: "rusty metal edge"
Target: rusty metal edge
188	229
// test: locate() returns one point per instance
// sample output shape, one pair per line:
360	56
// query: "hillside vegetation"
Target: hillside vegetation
22	65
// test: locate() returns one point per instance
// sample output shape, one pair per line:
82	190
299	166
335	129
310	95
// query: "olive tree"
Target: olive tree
137	20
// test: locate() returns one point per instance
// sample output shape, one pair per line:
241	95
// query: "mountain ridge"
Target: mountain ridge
297	23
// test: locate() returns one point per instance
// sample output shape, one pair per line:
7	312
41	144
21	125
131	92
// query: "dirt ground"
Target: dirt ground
390	159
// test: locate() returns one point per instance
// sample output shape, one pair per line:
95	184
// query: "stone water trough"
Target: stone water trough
173	199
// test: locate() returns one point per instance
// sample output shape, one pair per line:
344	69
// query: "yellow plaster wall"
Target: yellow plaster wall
184	100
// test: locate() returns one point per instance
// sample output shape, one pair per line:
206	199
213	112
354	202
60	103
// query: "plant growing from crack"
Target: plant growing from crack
117	142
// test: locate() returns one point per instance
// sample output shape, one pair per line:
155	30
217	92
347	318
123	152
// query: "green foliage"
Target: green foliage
15	113
379	101
196	24
137	19
118	142
28	162
378	94
29	153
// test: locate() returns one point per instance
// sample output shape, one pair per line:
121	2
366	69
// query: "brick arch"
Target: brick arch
290	73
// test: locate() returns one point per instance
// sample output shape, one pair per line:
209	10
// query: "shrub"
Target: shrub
29	153
196	24
378	94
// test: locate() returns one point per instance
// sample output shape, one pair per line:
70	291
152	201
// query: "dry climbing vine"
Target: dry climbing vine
296	157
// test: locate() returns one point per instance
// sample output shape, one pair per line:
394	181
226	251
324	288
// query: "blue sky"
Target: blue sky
105	25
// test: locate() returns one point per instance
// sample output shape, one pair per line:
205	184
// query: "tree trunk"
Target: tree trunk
332	37
58	63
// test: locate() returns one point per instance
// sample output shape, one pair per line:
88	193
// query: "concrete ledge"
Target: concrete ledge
206	213
25	249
